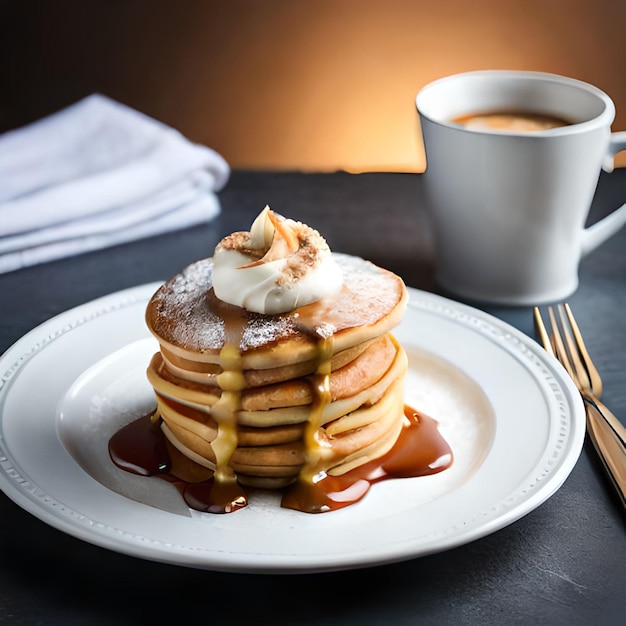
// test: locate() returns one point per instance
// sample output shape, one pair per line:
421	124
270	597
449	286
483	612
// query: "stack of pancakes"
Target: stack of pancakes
271	398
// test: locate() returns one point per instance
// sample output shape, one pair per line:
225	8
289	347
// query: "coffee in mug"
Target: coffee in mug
509	207
519	121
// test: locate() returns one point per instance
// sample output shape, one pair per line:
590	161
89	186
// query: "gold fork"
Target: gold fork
605	431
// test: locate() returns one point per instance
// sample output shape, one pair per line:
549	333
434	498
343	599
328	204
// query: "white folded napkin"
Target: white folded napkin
97	174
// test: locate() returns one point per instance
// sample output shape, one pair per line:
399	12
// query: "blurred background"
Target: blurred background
313	85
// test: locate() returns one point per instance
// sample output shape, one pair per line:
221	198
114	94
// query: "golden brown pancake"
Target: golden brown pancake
190	322
319	389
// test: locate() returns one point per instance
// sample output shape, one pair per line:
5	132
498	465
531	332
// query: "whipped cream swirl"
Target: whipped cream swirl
276	267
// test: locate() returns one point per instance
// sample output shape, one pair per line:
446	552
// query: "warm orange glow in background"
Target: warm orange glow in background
311	85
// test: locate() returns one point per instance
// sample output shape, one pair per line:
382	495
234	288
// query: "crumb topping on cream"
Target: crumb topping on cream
278	266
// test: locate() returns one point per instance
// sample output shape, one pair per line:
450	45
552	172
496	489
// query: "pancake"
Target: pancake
357	375
268	400
347	425
191	323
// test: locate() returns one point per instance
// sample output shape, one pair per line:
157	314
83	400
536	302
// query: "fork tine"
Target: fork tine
595	380
575	356
580	367
540	329
559	347
593	387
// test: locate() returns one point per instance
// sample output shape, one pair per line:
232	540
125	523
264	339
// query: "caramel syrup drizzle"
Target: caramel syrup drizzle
227	494
420	449
317	449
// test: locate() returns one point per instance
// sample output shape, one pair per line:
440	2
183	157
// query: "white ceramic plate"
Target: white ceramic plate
510	413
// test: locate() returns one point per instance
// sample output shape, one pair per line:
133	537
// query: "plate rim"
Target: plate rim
36	340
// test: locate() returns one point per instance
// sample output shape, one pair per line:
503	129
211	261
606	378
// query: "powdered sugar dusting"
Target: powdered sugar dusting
180	312
371	292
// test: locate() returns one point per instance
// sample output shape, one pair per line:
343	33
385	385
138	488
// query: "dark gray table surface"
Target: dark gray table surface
563	563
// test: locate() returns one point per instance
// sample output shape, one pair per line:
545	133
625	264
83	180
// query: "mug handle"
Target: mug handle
599	232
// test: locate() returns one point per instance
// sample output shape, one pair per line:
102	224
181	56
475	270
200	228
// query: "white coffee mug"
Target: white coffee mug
509	207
